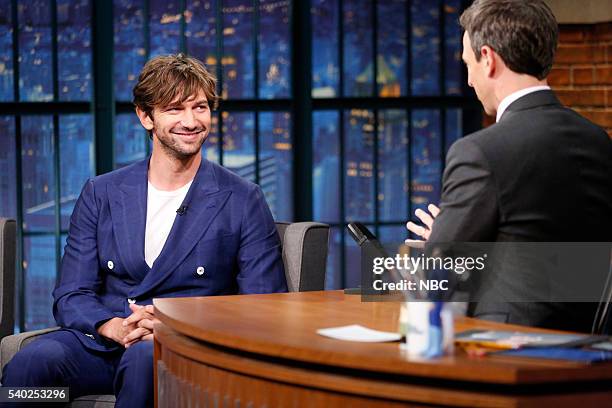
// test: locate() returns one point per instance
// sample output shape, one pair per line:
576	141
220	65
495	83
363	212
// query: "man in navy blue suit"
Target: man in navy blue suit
171	225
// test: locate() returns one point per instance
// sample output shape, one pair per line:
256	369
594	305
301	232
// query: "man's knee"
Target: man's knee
41	363
138	357
136	363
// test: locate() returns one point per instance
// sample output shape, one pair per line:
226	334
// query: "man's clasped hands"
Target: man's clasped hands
137	326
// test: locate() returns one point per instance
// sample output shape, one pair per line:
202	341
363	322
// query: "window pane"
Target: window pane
239	143
74	49
358	50
77	162
35	63
392	236
425	47
238	60
8	168
453	45
130	140
129	52
39	268
275	163
392	48
274	53
164	27
6	57
393	165
454	127
426	158
37	151
333	271
200	32
326	166
359	165
325	67
210	148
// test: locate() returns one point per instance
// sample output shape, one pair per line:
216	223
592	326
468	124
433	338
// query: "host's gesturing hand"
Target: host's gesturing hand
427	219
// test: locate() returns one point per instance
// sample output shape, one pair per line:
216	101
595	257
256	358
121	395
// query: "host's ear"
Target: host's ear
145	119
490	60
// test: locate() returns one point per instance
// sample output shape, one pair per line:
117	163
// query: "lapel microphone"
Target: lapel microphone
181	210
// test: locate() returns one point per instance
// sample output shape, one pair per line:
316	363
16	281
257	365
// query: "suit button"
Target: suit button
110	264
200	270
131	301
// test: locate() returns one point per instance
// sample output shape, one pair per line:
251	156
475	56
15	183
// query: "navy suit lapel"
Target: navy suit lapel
204	200
128	208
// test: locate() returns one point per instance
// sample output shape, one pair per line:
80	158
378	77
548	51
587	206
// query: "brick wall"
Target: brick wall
582	73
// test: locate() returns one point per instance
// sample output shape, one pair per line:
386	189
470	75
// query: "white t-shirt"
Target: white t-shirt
161	212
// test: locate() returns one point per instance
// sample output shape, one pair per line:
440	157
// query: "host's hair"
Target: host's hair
522	32
167	78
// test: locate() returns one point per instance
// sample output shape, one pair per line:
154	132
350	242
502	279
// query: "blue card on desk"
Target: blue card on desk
560	353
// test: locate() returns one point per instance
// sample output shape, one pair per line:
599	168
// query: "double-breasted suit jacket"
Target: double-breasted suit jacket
224	242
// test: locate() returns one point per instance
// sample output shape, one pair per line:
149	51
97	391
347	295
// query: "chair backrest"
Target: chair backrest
7	275
304	254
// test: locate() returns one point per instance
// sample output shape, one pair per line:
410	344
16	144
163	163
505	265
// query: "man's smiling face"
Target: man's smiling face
181	128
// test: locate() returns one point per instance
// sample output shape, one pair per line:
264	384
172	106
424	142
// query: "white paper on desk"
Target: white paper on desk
356	332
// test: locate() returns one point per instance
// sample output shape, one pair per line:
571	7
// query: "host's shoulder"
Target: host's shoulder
484	135
475	140
590	127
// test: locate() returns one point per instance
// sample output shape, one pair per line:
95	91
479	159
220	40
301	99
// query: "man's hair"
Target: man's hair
166	78
522	32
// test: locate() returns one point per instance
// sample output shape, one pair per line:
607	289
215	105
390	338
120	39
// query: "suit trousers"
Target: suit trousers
59	359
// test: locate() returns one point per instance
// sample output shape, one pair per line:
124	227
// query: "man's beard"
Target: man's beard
173	148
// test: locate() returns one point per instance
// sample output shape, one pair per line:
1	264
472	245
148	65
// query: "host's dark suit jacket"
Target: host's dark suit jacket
542	173
225	243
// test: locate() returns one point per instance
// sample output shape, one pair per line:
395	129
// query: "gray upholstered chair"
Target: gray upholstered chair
7	276
304	254
304	247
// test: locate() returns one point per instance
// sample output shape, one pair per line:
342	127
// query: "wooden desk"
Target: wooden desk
263	350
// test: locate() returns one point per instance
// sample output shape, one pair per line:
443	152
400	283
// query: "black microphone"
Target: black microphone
181	210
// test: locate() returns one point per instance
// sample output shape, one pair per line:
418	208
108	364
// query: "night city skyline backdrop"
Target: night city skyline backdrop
405	159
